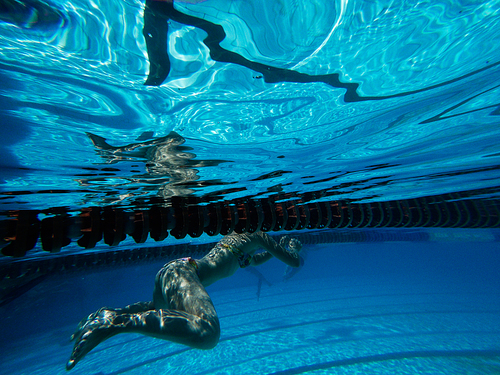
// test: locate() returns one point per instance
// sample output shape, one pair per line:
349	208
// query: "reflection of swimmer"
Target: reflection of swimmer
31	14
168	162
181	310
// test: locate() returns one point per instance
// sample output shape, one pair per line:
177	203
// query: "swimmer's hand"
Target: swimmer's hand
91	331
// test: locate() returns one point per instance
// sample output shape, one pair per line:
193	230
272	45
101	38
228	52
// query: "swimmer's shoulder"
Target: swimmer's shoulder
246	241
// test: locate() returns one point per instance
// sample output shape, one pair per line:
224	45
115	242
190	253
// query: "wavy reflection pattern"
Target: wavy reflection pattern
424	123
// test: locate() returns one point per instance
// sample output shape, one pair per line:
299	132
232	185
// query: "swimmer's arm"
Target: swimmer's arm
289	257
261	258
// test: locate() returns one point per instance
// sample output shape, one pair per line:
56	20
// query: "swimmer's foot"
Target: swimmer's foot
91	331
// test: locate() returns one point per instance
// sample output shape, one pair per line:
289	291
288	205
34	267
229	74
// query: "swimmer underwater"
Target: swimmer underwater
181	310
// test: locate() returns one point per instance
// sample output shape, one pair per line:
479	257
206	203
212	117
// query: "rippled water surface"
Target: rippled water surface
372	100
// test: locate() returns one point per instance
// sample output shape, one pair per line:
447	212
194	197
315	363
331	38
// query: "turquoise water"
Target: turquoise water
423	119
364	101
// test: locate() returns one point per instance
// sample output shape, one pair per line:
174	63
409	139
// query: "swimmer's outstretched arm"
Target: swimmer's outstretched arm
261	258
286	251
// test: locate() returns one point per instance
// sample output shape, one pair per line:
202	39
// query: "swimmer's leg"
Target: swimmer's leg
190	319
136	308
184	311
107	313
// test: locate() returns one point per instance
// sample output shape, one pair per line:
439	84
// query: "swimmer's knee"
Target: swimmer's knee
209	337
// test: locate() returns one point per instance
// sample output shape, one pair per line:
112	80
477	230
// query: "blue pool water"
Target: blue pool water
406	307
357	101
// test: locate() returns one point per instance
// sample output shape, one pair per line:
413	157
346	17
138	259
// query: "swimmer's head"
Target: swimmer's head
295	245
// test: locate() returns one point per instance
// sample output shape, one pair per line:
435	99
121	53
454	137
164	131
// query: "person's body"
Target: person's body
181	310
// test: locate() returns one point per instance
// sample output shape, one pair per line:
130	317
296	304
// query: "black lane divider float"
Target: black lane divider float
188	216
85	261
